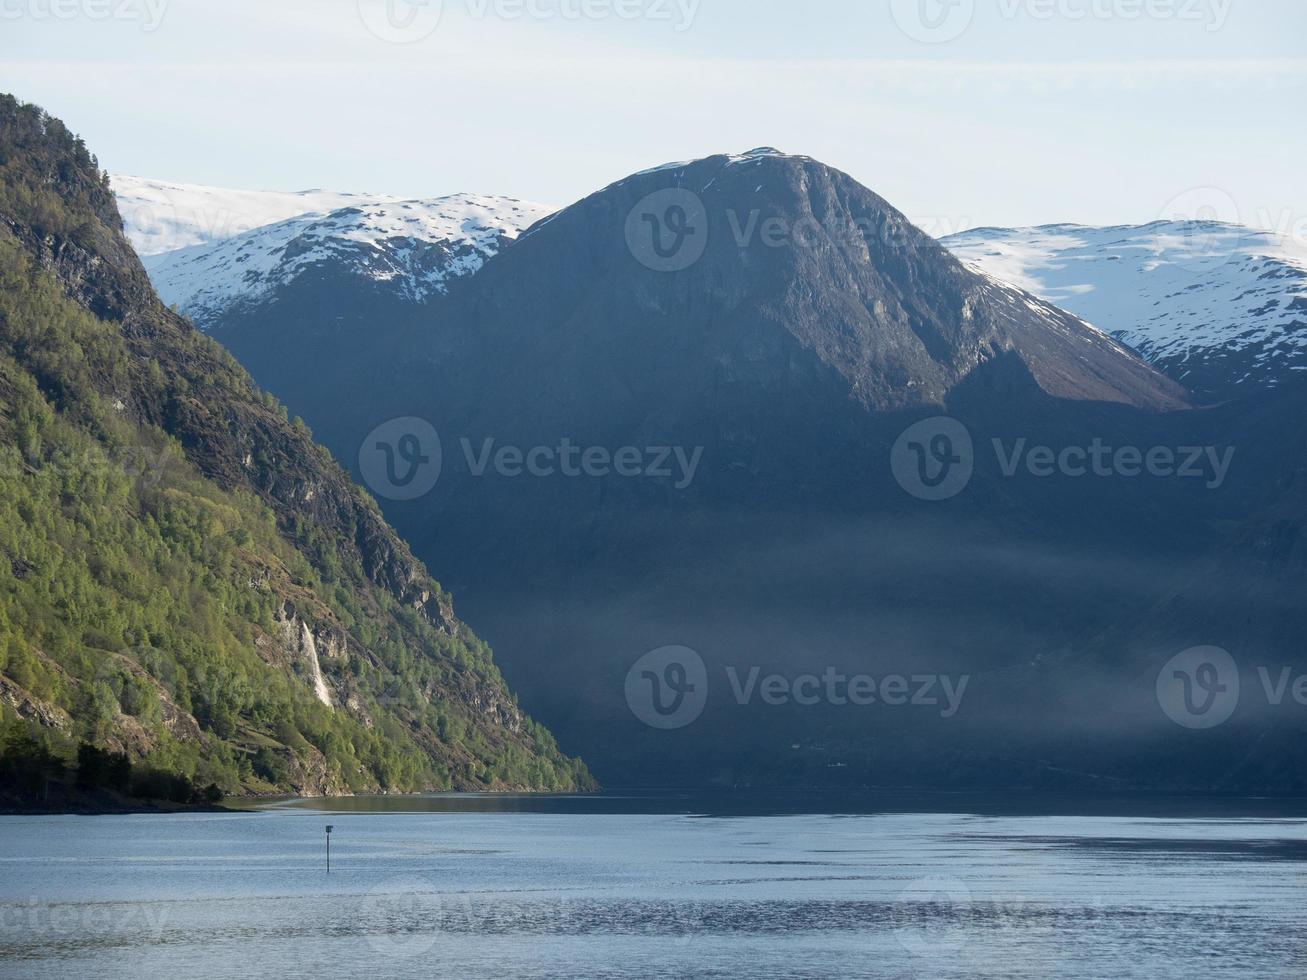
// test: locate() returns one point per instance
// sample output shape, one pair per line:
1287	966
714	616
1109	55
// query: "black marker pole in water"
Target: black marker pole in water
329	830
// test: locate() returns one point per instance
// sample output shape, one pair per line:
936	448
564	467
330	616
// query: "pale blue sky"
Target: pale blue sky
1036	111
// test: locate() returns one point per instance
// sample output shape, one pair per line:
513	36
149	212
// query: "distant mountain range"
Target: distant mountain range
162	216
783	328
1217	307
1220	308
720	426
408	250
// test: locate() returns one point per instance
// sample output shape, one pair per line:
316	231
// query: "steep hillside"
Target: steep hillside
185	574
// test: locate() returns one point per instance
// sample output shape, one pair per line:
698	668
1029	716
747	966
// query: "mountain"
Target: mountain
186	576
899	341
161	216
765	344
846	278
756	387
1220	308
405	251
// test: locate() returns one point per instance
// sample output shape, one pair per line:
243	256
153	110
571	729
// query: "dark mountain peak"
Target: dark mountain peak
719	259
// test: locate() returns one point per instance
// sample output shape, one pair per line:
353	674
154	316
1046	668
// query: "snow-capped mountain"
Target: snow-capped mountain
1221	308
411	249
161	216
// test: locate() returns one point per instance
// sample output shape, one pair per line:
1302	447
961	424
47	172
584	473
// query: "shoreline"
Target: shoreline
740	801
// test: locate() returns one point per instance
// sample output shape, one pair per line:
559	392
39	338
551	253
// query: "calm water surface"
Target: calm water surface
620	887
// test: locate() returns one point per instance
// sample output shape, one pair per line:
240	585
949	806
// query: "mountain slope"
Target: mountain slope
1220	308
773	369
406	250
784	369
849	280
909	321
186	575
162	216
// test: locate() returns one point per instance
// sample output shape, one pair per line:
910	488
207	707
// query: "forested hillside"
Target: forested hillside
184	575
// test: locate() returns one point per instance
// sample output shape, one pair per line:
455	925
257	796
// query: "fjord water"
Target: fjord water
613	887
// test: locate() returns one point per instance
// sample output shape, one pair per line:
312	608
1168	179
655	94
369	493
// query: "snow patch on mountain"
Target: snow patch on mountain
1212	304
415	247
160	216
